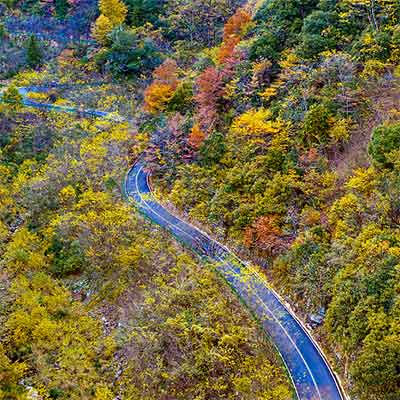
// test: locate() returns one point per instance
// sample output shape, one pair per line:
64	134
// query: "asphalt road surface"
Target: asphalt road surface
311	375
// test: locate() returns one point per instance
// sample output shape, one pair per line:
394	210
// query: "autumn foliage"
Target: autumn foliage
160	92
233	31
227	49
68	342
167	73
112	13
101	28
265	236
210	91
263	139
196	137
237	23
255	122
114	10
157	96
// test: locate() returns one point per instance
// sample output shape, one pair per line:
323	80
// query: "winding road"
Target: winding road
312	377
309	370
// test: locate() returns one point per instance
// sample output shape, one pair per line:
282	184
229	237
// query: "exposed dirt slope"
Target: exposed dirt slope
383	106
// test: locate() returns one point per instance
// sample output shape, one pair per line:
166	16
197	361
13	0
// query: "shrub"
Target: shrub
142	11
316	124
12	97
212	149
68	257
3	32
61	8
182	98
385	139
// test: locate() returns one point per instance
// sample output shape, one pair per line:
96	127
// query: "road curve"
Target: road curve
311	375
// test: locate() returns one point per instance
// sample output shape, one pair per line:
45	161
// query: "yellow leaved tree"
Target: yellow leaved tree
161	91
157	97
114	10
101	28
255	122
112	14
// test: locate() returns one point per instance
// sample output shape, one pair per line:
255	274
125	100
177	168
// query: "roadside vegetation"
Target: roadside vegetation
274	125
96	302
283	140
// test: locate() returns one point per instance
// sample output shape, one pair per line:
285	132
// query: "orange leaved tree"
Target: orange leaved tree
196	137
162	89
265	236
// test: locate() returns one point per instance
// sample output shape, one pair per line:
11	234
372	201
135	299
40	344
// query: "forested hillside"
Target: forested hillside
285	140
95	302
273	125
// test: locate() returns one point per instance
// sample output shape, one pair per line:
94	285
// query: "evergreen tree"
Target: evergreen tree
142	11
62	8
212	149
33	52
385	140
3	32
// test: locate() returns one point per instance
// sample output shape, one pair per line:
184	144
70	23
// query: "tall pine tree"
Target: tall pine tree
33	52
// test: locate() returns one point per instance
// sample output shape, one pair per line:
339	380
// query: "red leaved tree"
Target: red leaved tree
227	50
210	90
167	73
265	236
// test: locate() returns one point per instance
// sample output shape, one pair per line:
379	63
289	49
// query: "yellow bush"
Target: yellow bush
255	122
101	28
114	10
157	97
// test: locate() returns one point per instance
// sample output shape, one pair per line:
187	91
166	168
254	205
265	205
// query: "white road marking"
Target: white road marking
262	301
254	273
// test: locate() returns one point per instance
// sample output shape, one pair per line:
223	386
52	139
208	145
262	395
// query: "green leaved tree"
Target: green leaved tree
12	97
33	52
